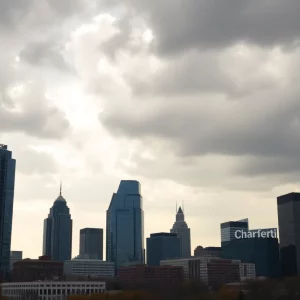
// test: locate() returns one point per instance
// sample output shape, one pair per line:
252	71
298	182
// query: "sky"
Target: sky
198	100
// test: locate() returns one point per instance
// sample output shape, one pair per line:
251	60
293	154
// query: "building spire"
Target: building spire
60	188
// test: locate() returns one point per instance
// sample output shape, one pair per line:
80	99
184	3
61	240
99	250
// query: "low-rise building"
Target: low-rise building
150	277
37	269
213	271
44	290
83	266
208	251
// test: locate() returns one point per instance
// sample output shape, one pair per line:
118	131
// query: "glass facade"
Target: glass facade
263	252
57	240
162	246
289	233
91	243
228	229
7	186
125	225
182	230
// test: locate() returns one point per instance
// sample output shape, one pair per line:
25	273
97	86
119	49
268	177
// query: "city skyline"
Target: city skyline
99	91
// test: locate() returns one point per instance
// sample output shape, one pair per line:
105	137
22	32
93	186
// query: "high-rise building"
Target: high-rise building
91	243
14	257
57	239
125	225
162	246
183	232
289	233
229	229
7	186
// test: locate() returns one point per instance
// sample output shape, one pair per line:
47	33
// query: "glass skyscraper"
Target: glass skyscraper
7	186
162	246
125	225
57	240
183	232
229	229
91	243
289	233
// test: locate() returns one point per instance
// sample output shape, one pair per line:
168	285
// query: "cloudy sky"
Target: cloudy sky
197	99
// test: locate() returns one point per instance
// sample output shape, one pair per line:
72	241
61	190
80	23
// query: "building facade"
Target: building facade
180	227
14	257
91	243
92	268
125	225
208	251
157	277
228	229
46	290
37	269
288	207
212	271
162	246
7	187
57	238
263	252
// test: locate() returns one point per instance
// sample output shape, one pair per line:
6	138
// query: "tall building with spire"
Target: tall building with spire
57	239
7	187
125	225
183	232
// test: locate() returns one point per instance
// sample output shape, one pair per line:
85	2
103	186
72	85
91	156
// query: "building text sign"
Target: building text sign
259	233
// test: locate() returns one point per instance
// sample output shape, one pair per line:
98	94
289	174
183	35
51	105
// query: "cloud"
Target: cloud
215	24
31	113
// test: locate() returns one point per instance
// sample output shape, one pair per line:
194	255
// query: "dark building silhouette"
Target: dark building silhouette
208	251
37	269
143	276
289	233
125	225
161	246
7	186
263	252
57	239
91	243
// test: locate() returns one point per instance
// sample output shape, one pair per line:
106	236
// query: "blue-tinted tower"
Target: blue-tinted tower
7	186
162	246
125	225
58	231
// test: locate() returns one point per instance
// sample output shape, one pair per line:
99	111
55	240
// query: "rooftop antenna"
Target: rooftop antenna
60	188
183	206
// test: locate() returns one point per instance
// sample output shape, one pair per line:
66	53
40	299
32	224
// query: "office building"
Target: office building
48	290
180	227
208	251
289	233
125	225
91	243
263	251
212	271
57	239
7	186
14	257
37	269
162	246
86	267
158	277
228	229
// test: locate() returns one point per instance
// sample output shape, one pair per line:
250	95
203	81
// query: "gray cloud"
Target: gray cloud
209	24
31	114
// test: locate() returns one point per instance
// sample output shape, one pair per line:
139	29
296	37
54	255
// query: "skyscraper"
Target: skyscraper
58	231
7	186
91	243
289	233
125	225
183	232
229	229
162	246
